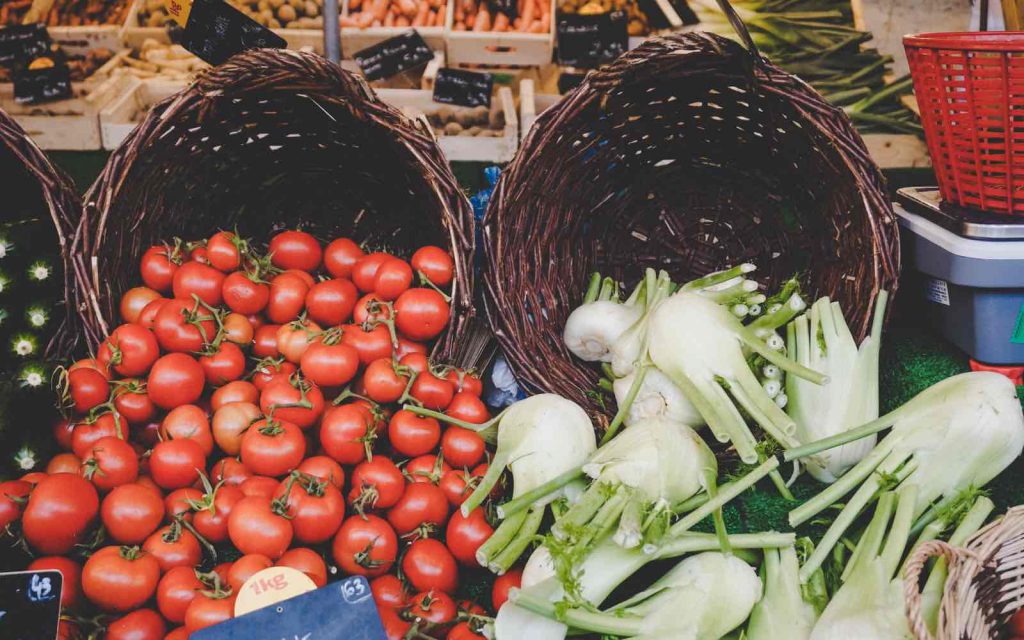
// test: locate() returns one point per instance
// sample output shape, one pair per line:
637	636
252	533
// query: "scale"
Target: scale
927	202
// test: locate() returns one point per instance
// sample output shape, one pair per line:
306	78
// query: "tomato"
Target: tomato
66	463
158	266
245	294
458	485
132	401
346	434
131	512
364	272
62	430
272	447
365	546
371	308
173	547
60	510
181	633
308	562
236	391
421	314
413	435
511	579
429	565
462	447
197	279
376	484
134	301
259	486
120	578
238	329
270	370
88	388
435	607
435	264
464	631
147	317
142	624
130	350
147	482
34	477
295	250
406	347
395	627
323	468
287	298
465	534
111	463
255	527
230	422
174	380
90	363
71	572
433	392
12	495
183	326
295	337
178	503
230	471
315	507
246	567
224	251
370	345
330	302
90	430
294	400
188	422
176	463
264	341
341	256
464	381
468	407
329	365
207	610
214	509
385	381
175	591
222	364
1017	623
389	592
416	362
392	279
422	503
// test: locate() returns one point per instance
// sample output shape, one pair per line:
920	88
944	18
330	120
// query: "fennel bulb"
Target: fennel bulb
782	614
592	328
821	340
656	397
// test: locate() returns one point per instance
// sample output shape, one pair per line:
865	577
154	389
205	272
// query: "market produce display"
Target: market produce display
399	13
72	13
532	16
276	14
155	60
464	121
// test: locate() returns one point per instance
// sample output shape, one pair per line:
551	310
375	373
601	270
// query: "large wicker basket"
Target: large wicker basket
689	153
985	585
268	140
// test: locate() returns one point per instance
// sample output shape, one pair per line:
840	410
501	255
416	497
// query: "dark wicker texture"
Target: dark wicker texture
31	183
689	153
271	139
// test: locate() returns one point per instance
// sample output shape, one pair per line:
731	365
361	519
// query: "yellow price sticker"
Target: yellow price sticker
179	10
271	586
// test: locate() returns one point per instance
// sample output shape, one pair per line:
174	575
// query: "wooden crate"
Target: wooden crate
897	150
354	40
122	114
66	125
498	48
81	40
532	104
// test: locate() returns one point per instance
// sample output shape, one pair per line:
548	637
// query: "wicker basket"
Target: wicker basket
985	585
689	153
270	139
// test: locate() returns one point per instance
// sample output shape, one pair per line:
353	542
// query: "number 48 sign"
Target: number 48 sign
30	604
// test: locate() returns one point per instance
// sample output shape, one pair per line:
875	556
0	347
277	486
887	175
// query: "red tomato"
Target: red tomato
178	503
176	463
130	350
413	435
435	264
395	627
330	302
62	430
416	362
385	381
468	407
230	422
224	364
295	250
207	610
389	592
175	591
457	485
511	579
254	527
370	345
294	400
224	251
230	471
142	624
183	326
465	534
465	381
131	512
264	341
159	264
1017	623
214	509
134	301
365	546
132	401
238	329
323	468
406	347
426	468
87	432
462	447
392	279
464	631
173	547
272	447
88	388
147	317
66	463
433	392
287	298
188	422
259	486
197	279
111	463
198	253
371	308
120	578
174	380
60	510
90	363
364	272
295	337
237	391
71	572
329	365
429	565
315	508
308	562
421	504
181	633
341	256
421	314
346	434
246	567
376	484
271	370
12	495
435	607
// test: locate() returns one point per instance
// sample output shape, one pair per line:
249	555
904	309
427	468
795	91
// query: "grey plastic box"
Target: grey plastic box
971	290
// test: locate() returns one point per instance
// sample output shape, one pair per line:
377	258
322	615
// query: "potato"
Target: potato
287	13
298	5
445	115
496	119
273	23
452	129
312	9
472	131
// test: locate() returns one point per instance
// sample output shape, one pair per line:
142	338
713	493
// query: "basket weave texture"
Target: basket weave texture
271	139
689	153
985	585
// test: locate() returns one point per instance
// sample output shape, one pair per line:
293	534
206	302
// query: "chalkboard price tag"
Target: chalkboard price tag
340	610
20	44
393	56
588	41
509	7
464	88
215	31
30	604
35	86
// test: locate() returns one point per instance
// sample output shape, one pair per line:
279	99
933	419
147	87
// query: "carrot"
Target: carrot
348	21
459	26
366	19
483	21
470	21
500	22
353	6
440	19
460	15
408	7
421	15
402	21
527	15
469	6
545	8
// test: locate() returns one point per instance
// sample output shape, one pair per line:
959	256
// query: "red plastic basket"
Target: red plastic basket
970	89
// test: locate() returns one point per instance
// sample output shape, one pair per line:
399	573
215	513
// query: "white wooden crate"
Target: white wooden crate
498	48
354	39
532	104
66	125
122	114
81	40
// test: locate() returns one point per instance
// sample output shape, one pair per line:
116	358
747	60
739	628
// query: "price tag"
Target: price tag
394	55
340	610
35	86
21	44
509	7
464	88
215	31
269	586
589	41
30	604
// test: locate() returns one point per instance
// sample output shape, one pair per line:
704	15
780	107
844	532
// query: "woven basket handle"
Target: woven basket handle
912	577
741	30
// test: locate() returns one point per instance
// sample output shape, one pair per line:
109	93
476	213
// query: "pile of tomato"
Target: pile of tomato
249	413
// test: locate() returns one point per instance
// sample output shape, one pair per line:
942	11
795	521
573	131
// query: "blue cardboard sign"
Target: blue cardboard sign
30	604
342	609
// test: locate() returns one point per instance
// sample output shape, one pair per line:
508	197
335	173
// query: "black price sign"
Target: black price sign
394	55
34	86
215	31
589	41
21	44
509	7
464	88
30	604
340	610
